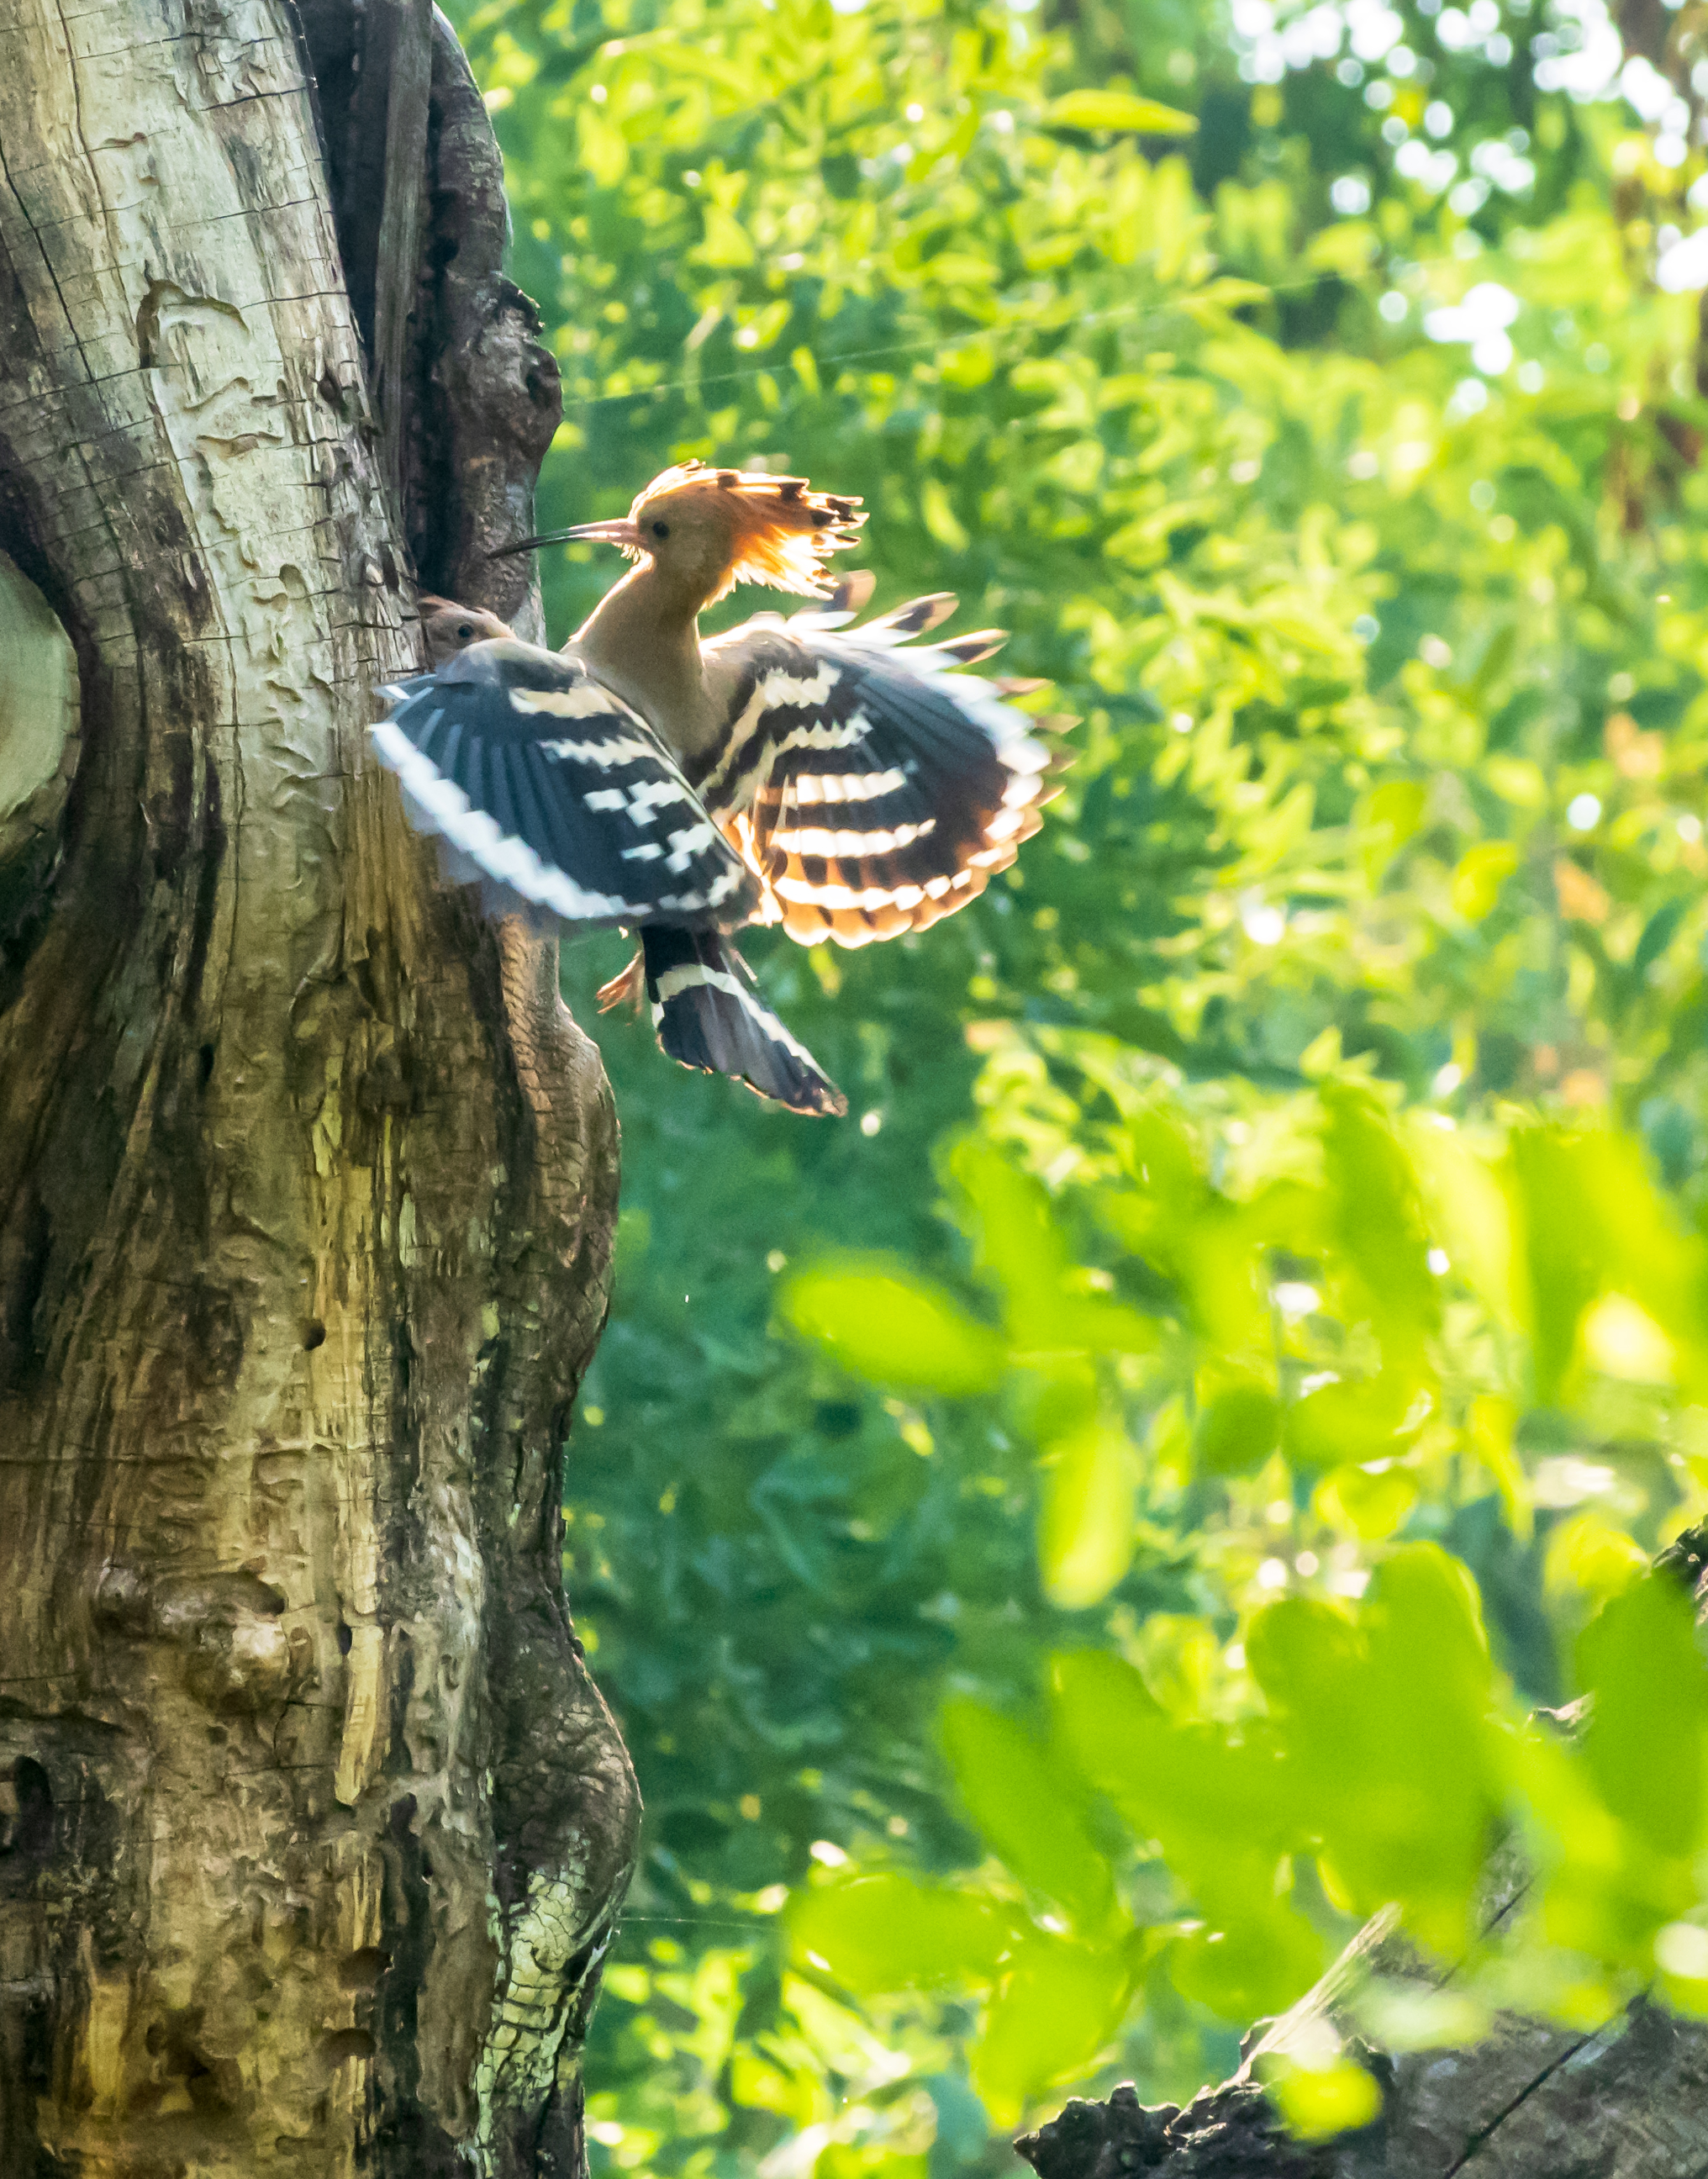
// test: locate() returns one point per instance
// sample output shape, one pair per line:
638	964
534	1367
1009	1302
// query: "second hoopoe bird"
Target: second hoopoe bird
841	780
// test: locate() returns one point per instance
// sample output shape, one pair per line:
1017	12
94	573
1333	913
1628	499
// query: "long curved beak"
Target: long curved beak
621	531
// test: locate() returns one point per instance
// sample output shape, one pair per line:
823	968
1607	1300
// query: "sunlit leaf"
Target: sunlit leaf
940	517
1318	2103
1492	1423
893	1327
1238	1427
1118	109
1201	1789
1482	871
1564	1251
1085	1525
1648	1733
1386	1714
1260	1961
867	2160
727	241
1021	1244
1621	1337
890	1932
1026	1809
1348	1422
1681	1953
1370	1501
1379	1221
1390	814
1469	1214
1587	1555
1057	2006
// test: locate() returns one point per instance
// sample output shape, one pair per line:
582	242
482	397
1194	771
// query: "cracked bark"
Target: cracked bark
313	1826
1529	2101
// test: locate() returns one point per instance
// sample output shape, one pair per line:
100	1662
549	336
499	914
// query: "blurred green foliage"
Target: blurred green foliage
1068	1541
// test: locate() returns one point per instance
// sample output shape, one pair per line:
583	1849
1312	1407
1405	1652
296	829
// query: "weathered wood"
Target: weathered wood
485	373
315	1825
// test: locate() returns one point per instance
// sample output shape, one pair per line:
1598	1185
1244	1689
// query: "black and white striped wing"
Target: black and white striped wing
546	785
707	1014
875	788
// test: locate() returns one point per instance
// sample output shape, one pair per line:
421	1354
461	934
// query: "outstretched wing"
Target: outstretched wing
547	785
873	787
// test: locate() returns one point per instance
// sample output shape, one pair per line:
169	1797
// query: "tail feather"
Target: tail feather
707	1012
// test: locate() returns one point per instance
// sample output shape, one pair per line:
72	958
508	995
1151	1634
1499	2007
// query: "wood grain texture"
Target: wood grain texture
312	1824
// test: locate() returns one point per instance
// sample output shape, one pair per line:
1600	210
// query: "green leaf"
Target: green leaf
727	242
1238	1428
1118	110
1482	871
887	1933
1658	934
1317	2103
892	1328
1027	1810
1469	1212
1378	1220
1058	2004
1085	1529
1648	1729
940	517
1263	1959
1352	1421
1363	1501
1588	1555
1303	1653
1386	1721
1193	1785
1564	1243
1390	814
1019	1243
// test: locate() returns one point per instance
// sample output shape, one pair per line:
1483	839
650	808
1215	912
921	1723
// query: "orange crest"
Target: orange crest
781	532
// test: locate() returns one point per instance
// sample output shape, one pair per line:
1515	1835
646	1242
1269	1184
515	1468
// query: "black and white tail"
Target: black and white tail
708	1013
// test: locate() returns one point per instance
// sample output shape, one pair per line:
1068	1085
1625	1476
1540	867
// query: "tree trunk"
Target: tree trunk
313	1827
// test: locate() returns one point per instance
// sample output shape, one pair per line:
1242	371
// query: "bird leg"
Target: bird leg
628	988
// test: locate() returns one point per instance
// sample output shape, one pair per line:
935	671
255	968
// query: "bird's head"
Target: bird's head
708	529
447	628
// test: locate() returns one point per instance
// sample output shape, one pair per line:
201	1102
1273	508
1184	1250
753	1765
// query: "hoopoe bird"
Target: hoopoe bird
841	780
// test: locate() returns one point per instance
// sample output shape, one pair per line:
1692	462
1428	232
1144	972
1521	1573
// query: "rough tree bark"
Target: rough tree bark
1531	2101
313	1827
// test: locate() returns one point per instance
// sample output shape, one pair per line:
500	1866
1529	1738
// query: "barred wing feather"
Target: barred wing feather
874	788
551	789
707	1014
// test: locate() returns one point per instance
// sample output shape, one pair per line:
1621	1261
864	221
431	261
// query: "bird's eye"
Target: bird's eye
661	528
465	631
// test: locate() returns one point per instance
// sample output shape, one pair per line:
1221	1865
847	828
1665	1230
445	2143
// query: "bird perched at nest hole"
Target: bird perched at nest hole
810	772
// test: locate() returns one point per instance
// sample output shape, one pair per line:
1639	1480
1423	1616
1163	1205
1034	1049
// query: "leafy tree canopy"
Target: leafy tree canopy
1069	1542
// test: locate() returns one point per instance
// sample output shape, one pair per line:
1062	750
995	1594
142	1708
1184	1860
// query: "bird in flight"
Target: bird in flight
842	779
